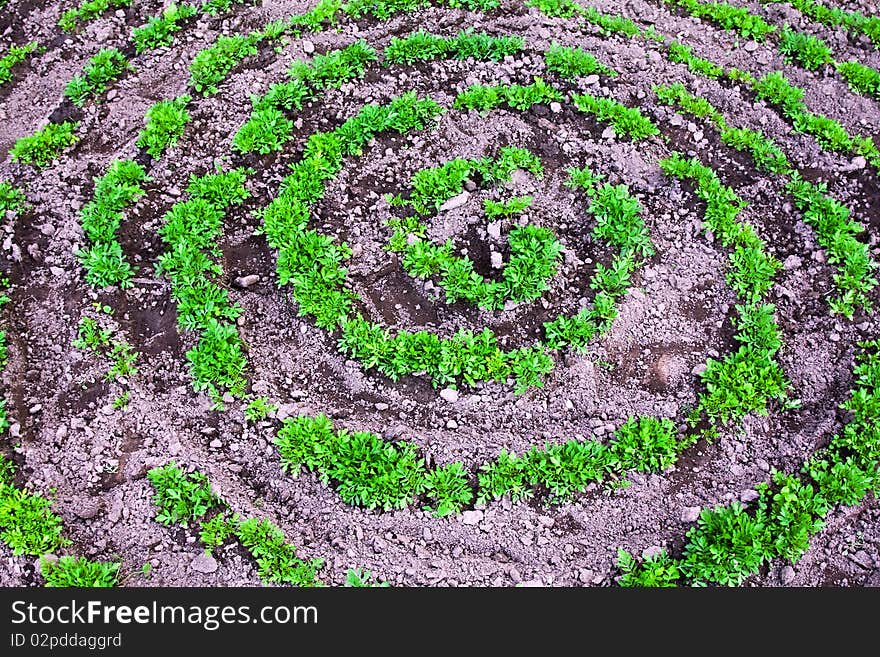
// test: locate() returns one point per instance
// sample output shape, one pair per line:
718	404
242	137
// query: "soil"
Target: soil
68	438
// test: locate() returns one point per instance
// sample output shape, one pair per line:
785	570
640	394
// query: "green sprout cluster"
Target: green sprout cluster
423	46
15	55
106	66
190	232
186	498
100	219
747	379
44	146
88	10
164	125
625	121
730	543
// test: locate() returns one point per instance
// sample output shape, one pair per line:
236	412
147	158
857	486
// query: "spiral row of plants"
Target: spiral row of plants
566	85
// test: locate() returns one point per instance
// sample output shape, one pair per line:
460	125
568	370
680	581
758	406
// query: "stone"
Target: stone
749	495
247	281
204	563
494	229
786	575
308	47
496	259
690	513
471	517
381	406
556	108
88	509
792	262
455	202
449	394
591	79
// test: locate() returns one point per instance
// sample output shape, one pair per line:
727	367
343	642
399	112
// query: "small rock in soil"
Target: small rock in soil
204	563
449	394
786	575
247	281
690	513
471	517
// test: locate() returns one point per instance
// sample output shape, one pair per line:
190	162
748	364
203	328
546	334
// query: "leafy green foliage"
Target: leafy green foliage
556	8
794	511
571	63
27	523
514	206
101	217
45	145
277	560
216	531
86	11
211	65
804	49
190	231
181	498
725	16
334	68
106	66
15	55
423	46
520	97
777	90
567	468
367	470
860	78
79	572
646	444
726	546
836	231
683	54
259	408
266	130
655	571
853	21
11	199
159	30
449	489
626	121
217	7
360	578
165	122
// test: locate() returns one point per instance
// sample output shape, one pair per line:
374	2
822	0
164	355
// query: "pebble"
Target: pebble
591	79
859	162
496	259
456	201
698	369
751	46
690	513
247	281
494	229
471	517
88	509
308	47
792	262
786	575
452	424
216	443
381	406
204	563
748	495
449	394
555	107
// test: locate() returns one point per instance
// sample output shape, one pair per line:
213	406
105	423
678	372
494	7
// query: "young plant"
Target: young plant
804	49
277	560
15	55
27	523
159	30
79	572
211	65
655	571
259	408
86	11
11	199
106	66
44	146
181	498
572	63
626	121
360	578
164	125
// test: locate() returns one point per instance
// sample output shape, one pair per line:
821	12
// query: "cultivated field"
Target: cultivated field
440	293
